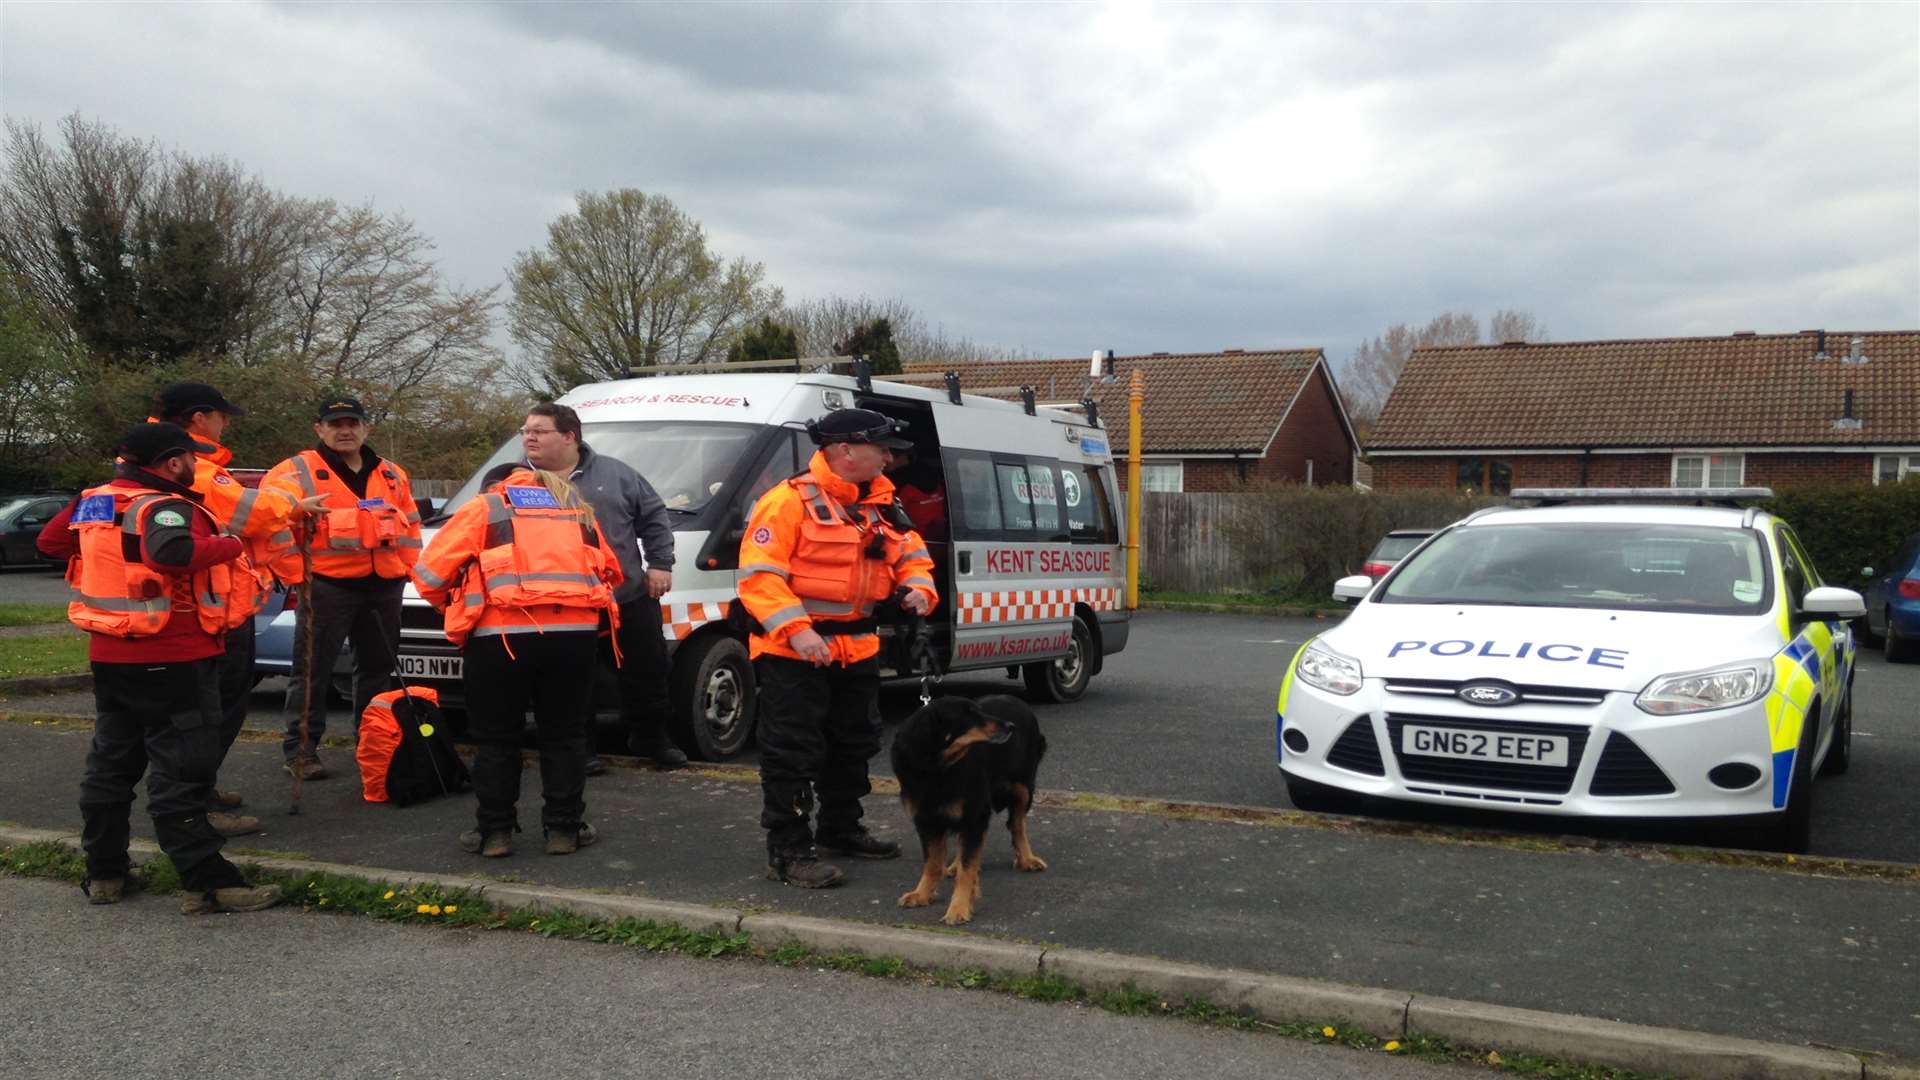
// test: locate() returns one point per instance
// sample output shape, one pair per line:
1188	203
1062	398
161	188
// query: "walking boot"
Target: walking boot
225	800
566	842
493	845
234	899
106	890
233	824
658	748
800	868
309	768
595	765
860	844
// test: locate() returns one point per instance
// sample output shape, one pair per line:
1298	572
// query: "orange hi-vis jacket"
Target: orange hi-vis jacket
116	594
375	536
514	561
810	559
261	517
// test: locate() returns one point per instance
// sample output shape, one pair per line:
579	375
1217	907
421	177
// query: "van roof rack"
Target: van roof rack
1735	497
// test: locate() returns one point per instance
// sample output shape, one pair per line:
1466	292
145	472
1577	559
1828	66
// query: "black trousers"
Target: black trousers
236	686
164	721
644	704
370	618
819	727
553	674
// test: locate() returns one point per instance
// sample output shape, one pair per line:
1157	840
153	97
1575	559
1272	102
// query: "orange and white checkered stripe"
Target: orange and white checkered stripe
677	621
1022	605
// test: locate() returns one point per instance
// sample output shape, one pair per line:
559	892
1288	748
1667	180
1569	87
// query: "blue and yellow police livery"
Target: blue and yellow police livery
1615	660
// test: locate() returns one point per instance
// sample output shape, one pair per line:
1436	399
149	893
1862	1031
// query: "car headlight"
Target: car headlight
1324	669
1698	691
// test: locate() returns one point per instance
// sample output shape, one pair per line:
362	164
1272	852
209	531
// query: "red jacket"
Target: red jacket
181	639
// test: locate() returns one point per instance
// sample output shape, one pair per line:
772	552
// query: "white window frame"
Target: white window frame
1707	462
1905	465
1166	467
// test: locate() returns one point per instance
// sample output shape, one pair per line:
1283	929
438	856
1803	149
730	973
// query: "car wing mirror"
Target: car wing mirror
1866	571
1352	588
1833	602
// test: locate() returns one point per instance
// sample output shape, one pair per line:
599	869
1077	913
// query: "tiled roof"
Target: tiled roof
1196	402
1743	390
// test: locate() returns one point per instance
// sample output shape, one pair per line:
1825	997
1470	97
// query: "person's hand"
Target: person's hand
659	583
811	647
312	504
917	602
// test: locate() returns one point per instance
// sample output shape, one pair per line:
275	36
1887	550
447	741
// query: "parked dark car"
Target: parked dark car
20	519
1393	547
1893	602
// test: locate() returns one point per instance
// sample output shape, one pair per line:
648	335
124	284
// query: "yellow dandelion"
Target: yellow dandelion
1792	859
1327	1031
422	909
451	908
1392	1045
1493	1057
433	909
389	895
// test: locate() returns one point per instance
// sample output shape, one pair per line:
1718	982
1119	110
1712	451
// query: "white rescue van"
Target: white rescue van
1030	563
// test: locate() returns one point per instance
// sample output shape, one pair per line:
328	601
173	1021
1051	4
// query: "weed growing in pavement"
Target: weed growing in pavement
426	903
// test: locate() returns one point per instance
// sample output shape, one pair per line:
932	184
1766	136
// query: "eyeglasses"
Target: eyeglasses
537	432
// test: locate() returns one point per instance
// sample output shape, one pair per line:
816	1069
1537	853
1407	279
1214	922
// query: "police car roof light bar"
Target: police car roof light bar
1705	496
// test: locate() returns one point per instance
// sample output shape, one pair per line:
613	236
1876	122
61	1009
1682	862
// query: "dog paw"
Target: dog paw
915	899
957	916
1030	864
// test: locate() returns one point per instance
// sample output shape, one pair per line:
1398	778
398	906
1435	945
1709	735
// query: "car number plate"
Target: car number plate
1504	747
431	667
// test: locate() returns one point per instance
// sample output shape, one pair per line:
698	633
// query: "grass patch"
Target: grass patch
1251	601
32	614
433	905
21	657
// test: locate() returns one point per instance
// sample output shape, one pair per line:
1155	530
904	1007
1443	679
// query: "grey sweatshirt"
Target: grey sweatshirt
631	514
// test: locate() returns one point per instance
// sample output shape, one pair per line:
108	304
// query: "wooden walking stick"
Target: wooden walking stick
303	592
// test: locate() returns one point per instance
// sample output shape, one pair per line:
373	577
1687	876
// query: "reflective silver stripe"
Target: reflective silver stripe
305	474
918	579
495	581
343	543
242	510
748	569
819	500
427	577
547	628
916	553
130	521
407	542
828	607
121	603
497	509
281	537
782	617
473	600
413	518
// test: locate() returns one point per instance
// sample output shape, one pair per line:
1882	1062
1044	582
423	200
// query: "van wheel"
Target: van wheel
1064	679
1792	829
713	698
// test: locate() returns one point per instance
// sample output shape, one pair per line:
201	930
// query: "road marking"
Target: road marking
1275	641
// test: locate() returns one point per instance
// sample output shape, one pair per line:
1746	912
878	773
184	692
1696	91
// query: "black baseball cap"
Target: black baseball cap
187	398
334	408
859	426
151	444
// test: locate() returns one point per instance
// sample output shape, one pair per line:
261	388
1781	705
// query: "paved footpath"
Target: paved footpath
1776	954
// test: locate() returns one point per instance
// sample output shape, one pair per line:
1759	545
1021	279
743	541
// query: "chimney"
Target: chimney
1819	344
1856	351
1744	333
1847	421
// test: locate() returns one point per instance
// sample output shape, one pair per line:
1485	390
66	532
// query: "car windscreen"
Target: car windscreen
685	462
11	507
1653	567
1392	548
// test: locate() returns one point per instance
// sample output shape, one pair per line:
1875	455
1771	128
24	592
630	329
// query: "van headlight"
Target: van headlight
1698	691
1324	669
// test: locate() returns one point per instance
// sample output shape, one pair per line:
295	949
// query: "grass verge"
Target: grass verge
21	657
432	905
1287	602
32	614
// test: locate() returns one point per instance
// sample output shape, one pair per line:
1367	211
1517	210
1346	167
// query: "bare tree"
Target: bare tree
626	280
825	322
1377	363
1508	324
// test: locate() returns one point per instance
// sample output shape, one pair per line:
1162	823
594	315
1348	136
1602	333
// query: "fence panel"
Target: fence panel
1186	545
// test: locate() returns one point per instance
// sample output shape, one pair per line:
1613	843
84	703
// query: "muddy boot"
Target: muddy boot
105	890
656	747
800	868
493	845
233	824
237	898
225	800
566	842
860	844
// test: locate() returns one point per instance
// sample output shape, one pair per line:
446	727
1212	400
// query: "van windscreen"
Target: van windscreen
687	463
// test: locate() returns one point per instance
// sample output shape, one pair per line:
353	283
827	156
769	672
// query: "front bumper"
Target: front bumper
1622	762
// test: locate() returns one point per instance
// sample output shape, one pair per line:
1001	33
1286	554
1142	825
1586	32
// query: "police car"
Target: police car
1599	654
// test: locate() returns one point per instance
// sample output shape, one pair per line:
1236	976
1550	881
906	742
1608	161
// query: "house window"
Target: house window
1163	475
1709	470
1893	468
1485	476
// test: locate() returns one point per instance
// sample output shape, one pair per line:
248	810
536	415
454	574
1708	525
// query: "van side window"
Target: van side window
1044	493
1083	493
783	460
974	485
1016	501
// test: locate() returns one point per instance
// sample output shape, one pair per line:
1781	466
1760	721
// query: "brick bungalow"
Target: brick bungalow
1211	421
1748	409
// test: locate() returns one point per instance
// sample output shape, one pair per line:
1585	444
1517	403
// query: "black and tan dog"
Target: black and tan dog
960	761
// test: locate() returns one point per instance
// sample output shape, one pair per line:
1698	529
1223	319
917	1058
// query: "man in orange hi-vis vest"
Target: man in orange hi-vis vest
821	551
262	519
524	576
365	540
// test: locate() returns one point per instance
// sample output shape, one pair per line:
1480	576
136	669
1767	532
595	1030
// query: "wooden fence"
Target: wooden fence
1185	544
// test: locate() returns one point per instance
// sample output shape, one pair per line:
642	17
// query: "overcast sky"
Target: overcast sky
1060	178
